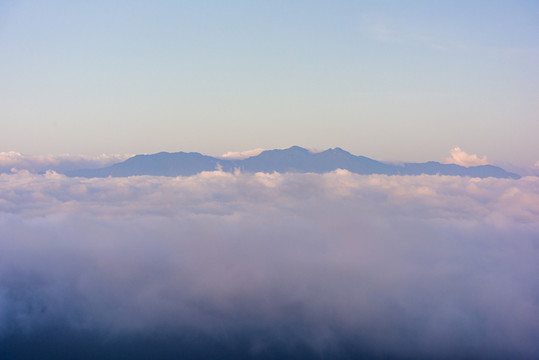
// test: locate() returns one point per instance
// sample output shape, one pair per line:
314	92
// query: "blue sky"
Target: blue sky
389	80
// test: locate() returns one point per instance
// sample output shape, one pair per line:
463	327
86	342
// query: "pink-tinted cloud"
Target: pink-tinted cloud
412	265
460	157
242	154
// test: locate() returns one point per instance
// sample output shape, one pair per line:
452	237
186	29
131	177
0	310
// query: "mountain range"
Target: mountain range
293	159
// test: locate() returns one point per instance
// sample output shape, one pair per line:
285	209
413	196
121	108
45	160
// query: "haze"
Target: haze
402	81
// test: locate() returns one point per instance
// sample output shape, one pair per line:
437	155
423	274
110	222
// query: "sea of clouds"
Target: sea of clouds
11	161
337	264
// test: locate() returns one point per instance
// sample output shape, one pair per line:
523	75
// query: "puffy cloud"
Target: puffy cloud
242	154
333	265
460	157
41	163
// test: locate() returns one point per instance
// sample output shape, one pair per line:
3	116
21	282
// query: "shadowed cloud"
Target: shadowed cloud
263	265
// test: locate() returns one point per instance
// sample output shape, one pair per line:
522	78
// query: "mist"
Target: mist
325	266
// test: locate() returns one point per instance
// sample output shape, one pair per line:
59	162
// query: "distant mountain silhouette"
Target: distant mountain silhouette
294	159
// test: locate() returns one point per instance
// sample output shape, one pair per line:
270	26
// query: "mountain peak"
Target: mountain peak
283	152
293	159
296	148
335	152
338	150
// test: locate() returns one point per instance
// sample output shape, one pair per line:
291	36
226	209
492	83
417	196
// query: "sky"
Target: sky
392	80
268	265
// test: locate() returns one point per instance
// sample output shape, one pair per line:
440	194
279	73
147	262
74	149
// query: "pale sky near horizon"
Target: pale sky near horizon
391	80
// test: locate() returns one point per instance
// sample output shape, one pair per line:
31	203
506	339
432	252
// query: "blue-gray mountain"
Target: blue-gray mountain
294	159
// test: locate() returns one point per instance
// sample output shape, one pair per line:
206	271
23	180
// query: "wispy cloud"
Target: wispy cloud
387	32
242	154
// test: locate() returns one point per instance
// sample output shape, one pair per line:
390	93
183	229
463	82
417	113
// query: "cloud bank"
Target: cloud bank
40	163
274	265
460	157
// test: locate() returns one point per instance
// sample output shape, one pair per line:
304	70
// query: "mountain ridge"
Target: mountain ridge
293	159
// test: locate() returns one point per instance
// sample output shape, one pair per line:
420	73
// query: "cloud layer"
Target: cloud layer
386	265
40	163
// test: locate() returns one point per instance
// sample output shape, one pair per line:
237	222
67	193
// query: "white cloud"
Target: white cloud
460	157
242	154
64	162
254	152
407	264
